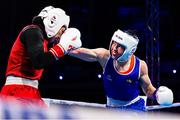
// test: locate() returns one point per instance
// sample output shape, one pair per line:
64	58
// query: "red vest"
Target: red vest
19	63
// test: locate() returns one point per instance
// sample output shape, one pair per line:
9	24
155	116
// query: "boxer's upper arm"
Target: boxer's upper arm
32	39
146	84
102	56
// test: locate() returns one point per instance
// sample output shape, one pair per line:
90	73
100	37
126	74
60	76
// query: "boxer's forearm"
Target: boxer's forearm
84	54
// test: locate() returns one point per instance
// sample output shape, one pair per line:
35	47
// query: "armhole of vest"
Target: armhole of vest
139	74
24	30
21	38
106	64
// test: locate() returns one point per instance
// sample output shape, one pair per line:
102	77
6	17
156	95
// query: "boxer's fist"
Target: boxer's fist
164	96
70	40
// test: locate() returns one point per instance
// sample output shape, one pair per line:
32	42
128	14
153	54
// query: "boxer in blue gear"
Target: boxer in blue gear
123	72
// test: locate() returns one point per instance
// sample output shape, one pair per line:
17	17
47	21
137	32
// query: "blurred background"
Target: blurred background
156	22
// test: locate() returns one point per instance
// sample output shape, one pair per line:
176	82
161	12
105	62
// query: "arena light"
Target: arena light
99	76
60	77
174	71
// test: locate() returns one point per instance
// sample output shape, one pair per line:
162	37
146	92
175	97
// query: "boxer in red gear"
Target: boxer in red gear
30	54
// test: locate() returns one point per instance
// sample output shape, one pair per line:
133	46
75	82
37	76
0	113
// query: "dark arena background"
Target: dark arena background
156	22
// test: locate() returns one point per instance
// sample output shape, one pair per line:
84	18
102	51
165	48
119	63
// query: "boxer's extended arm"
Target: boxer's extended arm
85	54
91	55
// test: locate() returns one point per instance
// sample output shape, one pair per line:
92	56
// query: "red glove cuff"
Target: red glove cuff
57	51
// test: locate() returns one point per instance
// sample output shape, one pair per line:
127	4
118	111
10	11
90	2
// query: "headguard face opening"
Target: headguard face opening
129	42
54	19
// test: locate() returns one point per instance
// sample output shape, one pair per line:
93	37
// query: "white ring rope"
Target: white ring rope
49	101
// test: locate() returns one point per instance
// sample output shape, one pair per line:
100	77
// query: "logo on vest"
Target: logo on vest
129	80
109	77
